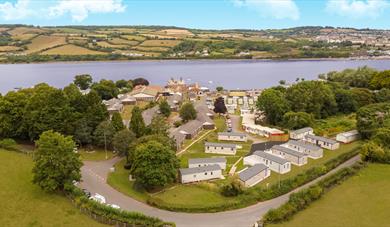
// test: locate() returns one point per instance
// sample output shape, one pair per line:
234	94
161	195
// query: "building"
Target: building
253	175
232	136
348	137
275	163
113	105
148	114
191	129
199	162
204	115
295	157
301	133
220	148
264	146
311	150
146	93
323	142
174	101
127	99
189	175
248	124
178	137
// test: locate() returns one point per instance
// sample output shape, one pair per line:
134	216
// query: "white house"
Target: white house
232	136
313	151
323	142
253	175
301	133
275	163
348	137
291	155
220	148
199	162
189	175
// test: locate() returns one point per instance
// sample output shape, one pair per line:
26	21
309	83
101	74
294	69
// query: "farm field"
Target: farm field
25	204
360	201
43	42
71	49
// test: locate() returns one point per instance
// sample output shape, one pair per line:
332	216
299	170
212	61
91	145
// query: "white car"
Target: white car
98	198
114	206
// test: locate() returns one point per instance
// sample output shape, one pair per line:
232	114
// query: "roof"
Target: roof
271	157
320	138
237	93
252	171
349	133
148	114
186	171
288	151
231	134
145	90
190	127
264	146
206	160
305	145
302	130
229	145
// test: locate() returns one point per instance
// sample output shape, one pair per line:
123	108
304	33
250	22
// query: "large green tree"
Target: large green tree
346	102
372	117
165	109
137	124
155	165
381	80
104	134
293	120
122	141
56	164
83	81
362	96
106	89
117	121
159	125
273	103
187	112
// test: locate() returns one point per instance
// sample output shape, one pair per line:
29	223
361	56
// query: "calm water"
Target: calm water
229	74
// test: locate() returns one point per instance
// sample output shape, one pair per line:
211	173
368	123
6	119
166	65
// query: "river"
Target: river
231	74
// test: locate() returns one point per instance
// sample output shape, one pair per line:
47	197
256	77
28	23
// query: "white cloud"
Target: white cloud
279	9
80	9
357	8
15	11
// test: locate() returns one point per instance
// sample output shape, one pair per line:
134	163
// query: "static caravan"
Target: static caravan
220	148
348	137
301	133
253	175
275	163
189	175
291	155
311	150
199	162
232	136
323	142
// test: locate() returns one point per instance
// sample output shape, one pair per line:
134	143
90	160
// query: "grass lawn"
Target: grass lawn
25	204
95	155
333	125
362	200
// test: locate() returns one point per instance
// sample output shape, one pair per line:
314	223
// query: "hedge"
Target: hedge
302	199
254	195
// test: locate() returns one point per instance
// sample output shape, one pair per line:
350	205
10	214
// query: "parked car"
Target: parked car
99	198
114	206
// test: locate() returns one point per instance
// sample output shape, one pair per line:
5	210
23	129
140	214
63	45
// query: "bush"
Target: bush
7	143
127	165
233	188
177	123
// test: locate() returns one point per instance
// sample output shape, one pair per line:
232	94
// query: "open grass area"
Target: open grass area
25	204
160	43
9	48
71	49
97	154
134	37
362	200
110	45
44	42
333	125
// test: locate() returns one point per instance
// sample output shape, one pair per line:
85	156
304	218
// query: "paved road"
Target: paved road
94	176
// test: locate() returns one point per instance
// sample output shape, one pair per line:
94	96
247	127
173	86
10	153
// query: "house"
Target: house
220	148
127	99
232	136
189	175
275	163
191	129
113	105
174	101
348	137
313	151
145	93
199	162
301	133
295	157
323	142
204	115
178	137
148	114
253	175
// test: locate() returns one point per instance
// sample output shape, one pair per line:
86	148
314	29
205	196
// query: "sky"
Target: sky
202	14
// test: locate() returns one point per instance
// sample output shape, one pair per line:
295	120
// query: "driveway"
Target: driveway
94	176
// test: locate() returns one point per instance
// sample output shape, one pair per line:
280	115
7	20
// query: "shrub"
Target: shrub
233	188
7	143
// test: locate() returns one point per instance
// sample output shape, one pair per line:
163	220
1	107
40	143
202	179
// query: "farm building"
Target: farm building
295	157
220	148
348	137
199	162
323	142
311	150
301	133
275	163
189	175
253	175
232	136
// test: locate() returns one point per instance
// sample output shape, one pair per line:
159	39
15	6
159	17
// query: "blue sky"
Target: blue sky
207	14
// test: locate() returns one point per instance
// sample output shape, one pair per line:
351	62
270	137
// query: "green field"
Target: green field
362	201
331	126
25	204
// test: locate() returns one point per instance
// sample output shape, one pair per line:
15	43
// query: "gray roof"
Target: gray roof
271	157
302	130
201	169
305	145
350	133
229	145
148	114
206	160
288	151
191	126
231	134
320	138
252	171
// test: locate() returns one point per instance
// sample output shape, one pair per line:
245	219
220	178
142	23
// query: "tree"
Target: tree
155	165
233	188
297	120
158	126
345	100
106	89
381	80
137	124
117	122
219	106
274	105
104	134
83	81
122	141
219	88
282	82
83	132
383	95
373	152
372	117
56	165
122	84
140	81
362	96
187	112
165	109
